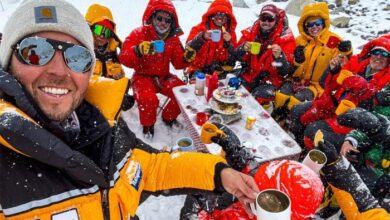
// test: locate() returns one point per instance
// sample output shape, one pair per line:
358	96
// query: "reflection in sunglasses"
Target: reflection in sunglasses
38	51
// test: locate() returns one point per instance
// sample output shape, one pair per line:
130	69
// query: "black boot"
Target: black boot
148	131
128	102
169	123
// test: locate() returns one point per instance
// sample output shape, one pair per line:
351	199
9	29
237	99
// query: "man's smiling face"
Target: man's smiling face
55	88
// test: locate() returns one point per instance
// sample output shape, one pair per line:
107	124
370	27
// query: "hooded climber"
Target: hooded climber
264	72
151	76
316	46
214	56
106	42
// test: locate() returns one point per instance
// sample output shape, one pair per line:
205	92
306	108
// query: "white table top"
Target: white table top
269	141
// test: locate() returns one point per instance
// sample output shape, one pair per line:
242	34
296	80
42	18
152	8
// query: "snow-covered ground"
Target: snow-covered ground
368	19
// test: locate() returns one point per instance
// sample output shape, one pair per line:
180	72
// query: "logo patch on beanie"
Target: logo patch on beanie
45	14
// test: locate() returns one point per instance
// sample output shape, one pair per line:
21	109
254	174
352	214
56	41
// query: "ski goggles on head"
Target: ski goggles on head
267	17
100	30
39	51
318	22
378	52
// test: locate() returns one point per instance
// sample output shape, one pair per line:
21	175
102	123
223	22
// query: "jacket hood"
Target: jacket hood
221	6
97	13
164	5
315	9
382	41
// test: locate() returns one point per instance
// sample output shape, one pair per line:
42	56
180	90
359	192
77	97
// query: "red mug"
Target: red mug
201	118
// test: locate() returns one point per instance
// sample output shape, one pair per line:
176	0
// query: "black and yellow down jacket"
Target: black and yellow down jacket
48	172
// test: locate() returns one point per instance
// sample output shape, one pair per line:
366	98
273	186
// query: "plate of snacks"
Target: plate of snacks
226	95
225	108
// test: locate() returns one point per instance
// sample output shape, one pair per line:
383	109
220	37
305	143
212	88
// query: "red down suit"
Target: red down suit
151	75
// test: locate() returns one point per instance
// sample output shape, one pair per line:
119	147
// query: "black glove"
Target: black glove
359	119
329	150
383	96
376	127
236	156
344	46
189	54
262	74
299	54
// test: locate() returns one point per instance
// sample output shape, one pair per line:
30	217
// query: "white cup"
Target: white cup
215	35
184	144
272	204
315	160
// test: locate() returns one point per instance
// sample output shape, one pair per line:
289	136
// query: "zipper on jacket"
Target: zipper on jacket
106	209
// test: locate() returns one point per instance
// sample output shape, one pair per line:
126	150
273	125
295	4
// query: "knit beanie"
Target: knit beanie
34	16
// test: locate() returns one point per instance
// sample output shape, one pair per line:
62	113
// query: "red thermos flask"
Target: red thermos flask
213	84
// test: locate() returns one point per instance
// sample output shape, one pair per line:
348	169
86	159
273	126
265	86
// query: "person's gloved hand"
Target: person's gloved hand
189	54
262	74
360	119
145	48
344	46
326	147
236	156
299	54
383	96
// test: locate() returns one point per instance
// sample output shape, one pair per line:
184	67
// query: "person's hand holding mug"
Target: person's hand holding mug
247	46
207	35
240	185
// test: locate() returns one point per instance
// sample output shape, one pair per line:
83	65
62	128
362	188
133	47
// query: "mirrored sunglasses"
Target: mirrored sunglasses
318	22
161	18
100	30
378	52
39	51
267	17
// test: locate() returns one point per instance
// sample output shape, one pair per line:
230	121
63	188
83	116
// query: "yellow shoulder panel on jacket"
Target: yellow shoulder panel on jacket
107	95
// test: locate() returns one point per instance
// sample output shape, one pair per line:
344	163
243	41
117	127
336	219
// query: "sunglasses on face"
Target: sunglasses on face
161	18
319	22
378	52
39	51
220	15
100	30
267	17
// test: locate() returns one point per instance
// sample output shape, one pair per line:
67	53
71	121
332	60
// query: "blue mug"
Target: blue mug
158	46
234	82
184	144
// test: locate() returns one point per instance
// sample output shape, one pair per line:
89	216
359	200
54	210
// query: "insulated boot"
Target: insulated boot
148	131
280	99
